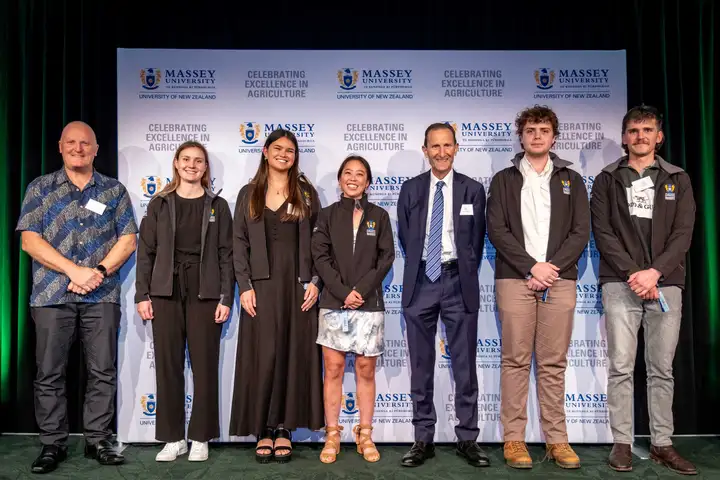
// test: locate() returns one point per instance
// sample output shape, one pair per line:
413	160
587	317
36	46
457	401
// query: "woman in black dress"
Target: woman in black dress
278	370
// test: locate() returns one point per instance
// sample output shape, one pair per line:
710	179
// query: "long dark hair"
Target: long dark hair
298	197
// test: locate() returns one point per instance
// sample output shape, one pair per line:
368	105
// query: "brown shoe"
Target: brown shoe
620	458
563	454
670	458
517	455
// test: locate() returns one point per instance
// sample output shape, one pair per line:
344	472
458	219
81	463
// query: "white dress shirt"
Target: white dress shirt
449	251
535	208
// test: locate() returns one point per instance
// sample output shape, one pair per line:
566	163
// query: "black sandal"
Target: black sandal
283	433
267	434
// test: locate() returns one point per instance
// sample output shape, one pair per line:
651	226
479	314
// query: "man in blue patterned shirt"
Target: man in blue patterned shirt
79	228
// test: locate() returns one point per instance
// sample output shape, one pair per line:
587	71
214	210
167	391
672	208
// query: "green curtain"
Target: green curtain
57	64
51	72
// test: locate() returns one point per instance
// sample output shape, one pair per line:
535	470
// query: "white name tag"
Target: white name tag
466	209
642	184
95	206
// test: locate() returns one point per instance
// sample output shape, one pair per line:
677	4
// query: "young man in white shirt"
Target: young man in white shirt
538	219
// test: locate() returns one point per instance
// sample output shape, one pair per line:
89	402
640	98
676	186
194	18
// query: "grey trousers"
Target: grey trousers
56	328
624	312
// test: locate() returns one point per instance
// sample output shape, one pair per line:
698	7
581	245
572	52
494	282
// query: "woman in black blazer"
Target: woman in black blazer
353	250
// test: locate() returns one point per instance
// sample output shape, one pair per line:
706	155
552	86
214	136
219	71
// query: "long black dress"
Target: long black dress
278	369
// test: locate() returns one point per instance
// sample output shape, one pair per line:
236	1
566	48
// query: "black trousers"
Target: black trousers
432	299
56	328
179	320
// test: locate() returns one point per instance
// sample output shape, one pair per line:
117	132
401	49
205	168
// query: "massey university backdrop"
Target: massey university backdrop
376	104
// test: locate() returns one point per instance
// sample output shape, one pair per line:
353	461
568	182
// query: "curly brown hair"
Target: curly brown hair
536	114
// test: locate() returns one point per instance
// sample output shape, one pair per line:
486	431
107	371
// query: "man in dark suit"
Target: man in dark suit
441	227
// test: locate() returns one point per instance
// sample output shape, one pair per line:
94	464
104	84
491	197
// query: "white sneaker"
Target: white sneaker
171	451
198	451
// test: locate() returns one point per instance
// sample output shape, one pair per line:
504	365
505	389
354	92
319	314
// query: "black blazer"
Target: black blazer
156	250
250	245
412	211
343	270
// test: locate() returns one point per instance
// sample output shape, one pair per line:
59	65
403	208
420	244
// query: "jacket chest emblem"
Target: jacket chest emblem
669	191
565	186
370	228
212	215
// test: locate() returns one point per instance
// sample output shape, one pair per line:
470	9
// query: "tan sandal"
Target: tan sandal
365	445
332	445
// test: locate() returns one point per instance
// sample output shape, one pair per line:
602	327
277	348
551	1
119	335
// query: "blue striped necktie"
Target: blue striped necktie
434	248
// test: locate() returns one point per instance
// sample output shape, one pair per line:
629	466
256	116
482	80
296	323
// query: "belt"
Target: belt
181	271
449	265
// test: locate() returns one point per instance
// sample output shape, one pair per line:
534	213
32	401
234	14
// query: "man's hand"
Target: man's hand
75	289
545	273
353	300
653	294
534	285
85	278
643	281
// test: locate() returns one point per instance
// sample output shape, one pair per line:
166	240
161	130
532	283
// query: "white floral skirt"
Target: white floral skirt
353	331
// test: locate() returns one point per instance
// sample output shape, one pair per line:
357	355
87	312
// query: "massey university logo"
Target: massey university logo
544	77
150	78
348	78
444	349
349	405
566	186
250	133
669	191
452	124
151	185
148	404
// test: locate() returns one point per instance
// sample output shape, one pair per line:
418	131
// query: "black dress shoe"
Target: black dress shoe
417	455
50	457
471	451
104	452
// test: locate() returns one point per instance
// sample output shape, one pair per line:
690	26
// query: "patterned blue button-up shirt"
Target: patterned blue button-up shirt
56	209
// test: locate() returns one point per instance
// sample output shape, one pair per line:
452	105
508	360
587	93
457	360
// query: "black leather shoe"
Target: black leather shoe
104	452
49	459
471	451
417	455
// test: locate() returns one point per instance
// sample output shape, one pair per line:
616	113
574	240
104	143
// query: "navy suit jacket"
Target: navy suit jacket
412	211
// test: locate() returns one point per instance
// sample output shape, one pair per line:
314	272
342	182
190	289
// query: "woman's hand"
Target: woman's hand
222	313
145	310
353	300
248	302
311	296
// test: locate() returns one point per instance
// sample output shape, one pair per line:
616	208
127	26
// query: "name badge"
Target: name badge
664	307
95	206
669	191
212	215
642	184
370	228
566	186
466	209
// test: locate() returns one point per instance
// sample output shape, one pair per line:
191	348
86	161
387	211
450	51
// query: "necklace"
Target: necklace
277	190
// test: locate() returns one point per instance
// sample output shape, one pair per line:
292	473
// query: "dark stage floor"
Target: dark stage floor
236	462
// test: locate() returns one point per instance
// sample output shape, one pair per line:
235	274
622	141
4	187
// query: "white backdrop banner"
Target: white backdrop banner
376	104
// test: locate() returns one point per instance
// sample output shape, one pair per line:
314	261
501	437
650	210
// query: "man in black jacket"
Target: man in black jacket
539	221
643	215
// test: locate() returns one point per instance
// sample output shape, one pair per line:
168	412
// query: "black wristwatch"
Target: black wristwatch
100	268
